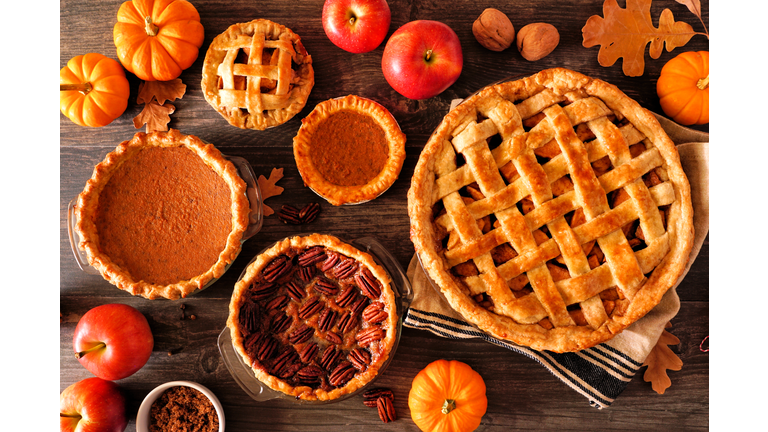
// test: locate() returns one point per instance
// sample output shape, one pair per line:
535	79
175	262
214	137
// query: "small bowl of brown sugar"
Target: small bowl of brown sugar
180	406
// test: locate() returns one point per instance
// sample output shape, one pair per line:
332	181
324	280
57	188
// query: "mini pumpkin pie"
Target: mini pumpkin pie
162	215
551	211
349	150
314	317
257	74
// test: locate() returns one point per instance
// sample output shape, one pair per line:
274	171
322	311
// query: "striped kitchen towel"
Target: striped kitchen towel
599	373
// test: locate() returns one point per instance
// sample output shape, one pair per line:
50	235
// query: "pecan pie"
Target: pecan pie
551	211
349	150
314	317
257	74
162	215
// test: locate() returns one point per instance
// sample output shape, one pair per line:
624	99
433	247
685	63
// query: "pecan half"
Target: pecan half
327	319
262	291
286	358
289	370
341	374
347	322
311	307
309	352
330	356
375	313
310	256
311	373
358	305
345	268
301	334
279	267
289	214
330	261
307	273
347	296
368	283
280	322
369	335
360	358
278	302
309	212
333	338
295	290
373	394
386	409
266	347
250	316
325	286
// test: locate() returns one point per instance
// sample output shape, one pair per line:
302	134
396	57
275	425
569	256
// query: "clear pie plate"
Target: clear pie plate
255	219
254	388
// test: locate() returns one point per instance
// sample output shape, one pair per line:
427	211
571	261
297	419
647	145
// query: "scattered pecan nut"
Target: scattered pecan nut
289	214
309	212
386	409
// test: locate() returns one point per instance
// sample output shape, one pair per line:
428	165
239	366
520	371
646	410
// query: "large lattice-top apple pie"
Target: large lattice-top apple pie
551	211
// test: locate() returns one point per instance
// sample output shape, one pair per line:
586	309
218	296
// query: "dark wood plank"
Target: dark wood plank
522	394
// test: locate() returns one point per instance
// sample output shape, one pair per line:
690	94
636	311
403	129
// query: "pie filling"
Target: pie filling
164	216
349	149
315	318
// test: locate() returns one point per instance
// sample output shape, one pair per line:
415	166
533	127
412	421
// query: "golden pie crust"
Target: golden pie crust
162	215
262	300
257	74
551	211
349	150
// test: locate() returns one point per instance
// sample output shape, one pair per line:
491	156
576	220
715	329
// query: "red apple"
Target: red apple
422	59
92	405
113	341
356	26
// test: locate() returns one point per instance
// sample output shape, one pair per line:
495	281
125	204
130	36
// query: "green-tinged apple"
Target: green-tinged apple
113	341
357	26
422	59
92	405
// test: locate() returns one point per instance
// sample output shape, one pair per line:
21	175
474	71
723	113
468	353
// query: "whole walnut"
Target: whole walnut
537	40
494	30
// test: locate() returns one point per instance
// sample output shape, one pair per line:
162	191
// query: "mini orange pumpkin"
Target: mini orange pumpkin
447	396
157	39
94	90
683	88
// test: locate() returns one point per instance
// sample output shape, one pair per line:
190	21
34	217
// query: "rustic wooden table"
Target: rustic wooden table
522	395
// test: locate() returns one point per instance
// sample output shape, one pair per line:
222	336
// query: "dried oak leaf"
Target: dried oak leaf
269	188
161	91
155	116
661	359
626	32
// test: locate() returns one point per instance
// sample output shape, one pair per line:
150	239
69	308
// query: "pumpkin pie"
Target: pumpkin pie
314	317
551	211
257	74
163	215
349	150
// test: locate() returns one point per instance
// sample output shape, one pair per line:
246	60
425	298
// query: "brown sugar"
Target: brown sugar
183	409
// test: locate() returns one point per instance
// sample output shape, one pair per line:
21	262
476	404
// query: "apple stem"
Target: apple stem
98	346
78	416
428	55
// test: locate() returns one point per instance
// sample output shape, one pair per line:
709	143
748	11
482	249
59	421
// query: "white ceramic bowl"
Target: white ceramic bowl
143	417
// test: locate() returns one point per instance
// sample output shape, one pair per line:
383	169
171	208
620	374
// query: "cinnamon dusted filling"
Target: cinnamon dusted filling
183	409
164	216
349	149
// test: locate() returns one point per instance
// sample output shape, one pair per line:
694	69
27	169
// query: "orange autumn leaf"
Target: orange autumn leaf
661	359
155	116
269	188
161	91
624	33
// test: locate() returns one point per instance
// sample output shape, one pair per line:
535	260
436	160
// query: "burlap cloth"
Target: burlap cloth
600	373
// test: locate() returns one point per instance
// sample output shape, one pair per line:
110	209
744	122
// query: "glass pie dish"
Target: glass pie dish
247	377
255	218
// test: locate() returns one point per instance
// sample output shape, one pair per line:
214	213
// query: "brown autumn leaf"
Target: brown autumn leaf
693	5
161	91
661	359
624	33
155	116
269	188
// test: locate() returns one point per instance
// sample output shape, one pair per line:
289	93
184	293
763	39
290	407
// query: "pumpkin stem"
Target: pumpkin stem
150	28
448	406
703	83
83	88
